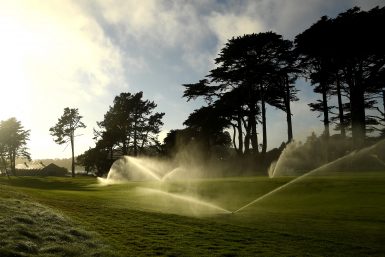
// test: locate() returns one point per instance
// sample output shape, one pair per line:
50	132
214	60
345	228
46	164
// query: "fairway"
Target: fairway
332	215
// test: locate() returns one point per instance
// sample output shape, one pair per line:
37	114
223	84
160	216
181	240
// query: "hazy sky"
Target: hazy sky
81	54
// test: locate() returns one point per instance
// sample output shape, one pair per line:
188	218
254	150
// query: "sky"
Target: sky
82	53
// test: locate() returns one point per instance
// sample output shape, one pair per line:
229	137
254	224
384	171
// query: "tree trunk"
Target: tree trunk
5	166
143	143
264	139
73	153
111	153
240	136
135	132
254	137
135	144
254	134
383	102
325	110
128	135
340	107
124	147
234	136
247	136
288	111
357	106
13	161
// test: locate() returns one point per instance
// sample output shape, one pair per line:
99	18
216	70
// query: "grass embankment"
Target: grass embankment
318	216
31	229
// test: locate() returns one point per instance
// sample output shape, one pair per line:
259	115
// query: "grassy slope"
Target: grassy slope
319	216
31	229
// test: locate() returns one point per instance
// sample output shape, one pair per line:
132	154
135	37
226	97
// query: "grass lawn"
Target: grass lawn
333	215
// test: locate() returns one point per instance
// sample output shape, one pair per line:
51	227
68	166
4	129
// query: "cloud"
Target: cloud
60	46
229	24
53	56
154	28
81	54
290	18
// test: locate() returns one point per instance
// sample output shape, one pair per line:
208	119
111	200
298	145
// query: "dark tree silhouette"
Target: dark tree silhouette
314	47
346	54
209	124
130	124
177	138
252	71
95	160
64	130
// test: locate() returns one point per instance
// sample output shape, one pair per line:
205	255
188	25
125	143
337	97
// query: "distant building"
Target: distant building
42	170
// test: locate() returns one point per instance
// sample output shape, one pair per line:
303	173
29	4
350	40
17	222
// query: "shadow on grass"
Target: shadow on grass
50	183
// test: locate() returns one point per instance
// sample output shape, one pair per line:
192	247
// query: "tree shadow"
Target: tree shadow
50	183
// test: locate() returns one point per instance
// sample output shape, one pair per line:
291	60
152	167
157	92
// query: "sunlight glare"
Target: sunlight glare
13	84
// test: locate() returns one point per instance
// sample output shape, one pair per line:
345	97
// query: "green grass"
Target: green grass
334	215
31	229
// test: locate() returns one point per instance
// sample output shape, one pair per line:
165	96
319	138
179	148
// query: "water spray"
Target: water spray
188	199
273	191
147	170
290	182
170	174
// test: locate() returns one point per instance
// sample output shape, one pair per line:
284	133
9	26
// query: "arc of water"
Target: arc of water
273	191
170	173
277	164
290	182
188	199
375	156
148	171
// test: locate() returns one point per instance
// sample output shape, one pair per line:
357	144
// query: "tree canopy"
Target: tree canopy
13	141
130	125
252	71
344	56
